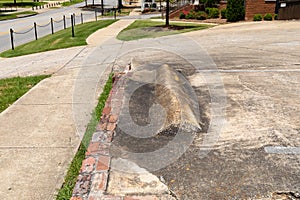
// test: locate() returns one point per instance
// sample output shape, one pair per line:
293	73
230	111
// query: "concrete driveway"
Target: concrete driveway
246	77
256	153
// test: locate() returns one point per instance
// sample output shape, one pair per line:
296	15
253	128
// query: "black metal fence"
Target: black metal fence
48	5
74	19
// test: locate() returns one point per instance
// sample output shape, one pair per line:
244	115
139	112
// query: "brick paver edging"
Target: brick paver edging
93	176
94	173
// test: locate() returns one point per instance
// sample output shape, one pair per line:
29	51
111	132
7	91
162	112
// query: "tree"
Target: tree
120	4
167	12
210	3
235	10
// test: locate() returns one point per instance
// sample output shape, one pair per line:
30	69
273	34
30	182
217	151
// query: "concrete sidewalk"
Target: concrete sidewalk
40	133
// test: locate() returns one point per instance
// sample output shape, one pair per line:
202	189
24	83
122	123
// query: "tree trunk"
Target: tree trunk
167	12
120	4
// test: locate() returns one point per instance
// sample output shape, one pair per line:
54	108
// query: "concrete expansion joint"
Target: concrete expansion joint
73	58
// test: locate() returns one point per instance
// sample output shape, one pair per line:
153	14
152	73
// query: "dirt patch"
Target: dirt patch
215	21
166	28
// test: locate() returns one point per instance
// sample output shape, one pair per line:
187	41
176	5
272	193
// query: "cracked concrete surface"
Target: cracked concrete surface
246	77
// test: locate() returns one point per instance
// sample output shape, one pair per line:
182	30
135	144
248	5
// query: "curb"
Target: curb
94	173
93	177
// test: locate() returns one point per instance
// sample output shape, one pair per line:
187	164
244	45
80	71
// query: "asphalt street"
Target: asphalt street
24	25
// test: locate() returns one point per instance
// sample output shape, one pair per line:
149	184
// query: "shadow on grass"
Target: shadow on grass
150	29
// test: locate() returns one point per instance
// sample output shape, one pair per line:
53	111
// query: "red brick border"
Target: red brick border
93	177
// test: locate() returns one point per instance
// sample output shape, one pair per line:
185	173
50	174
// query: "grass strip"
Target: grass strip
70	179
59	40
71	2
150	29
123	12
24	4
16	15
11	89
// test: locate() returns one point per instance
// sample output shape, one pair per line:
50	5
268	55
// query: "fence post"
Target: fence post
72	22
81	18
12	39
95	15
52	29
35	31
102	8
74	19
64	18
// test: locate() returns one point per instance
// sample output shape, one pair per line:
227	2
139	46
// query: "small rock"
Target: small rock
161	178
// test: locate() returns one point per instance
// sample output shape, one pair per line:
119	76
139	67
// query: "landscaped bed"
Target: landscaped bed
150	29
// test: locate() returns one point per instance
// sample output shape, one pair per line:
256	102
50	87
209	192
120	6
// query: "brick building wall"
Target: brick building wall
259	7
252	7
223	5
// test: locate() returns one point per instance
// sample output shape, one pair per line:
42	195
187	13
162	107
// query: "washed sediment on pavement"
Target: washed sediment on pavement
102	176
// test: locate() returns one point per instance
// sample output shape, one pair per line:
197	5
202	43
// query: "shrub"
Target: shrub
182	15
276	17
235	10
207	10
190	15
223	13
268	17
210	3
212	12
257	17
200	15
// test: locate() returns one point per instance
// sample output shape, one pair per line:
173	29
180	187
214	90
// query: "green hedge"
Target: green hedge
257	17
212	12
223	13
199	15
235	10
268	17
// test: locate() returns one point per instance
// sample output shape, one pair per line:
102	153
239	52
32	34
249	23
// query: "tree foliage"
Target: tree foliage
235	10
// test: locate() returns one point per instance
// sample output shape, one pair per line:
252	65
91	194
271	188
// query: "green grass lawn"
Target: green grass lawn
22	3
59	40
150	29
72	2
11	89
124	12
65	193
16	15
